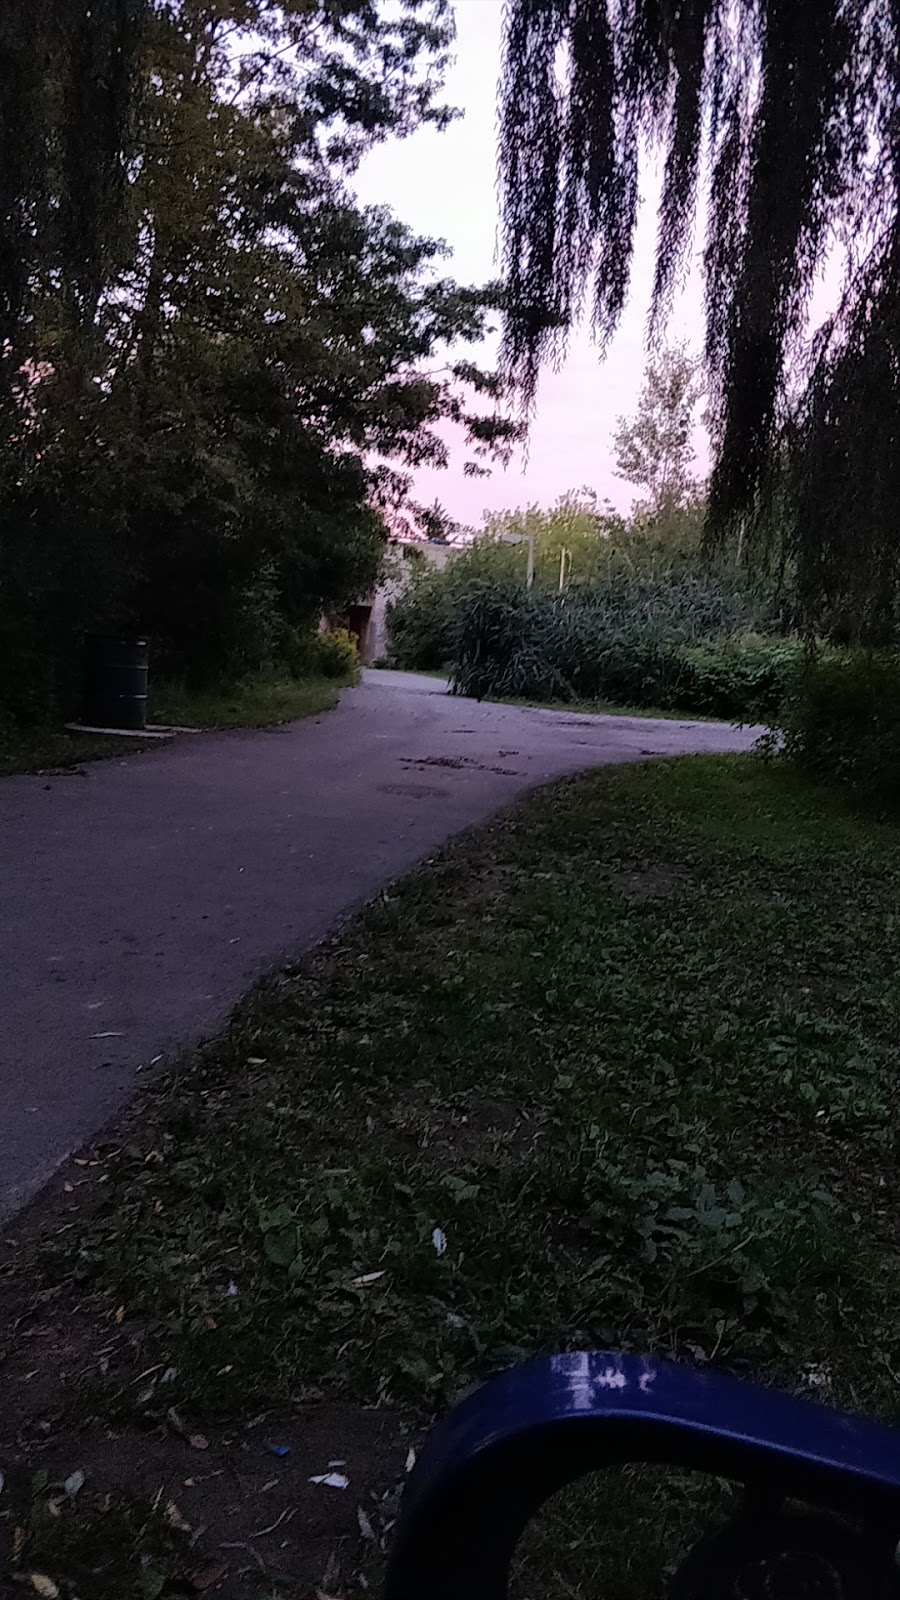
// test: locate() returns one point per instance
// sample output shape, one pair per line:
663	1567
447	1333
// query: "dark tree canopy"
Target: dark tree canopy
780	117
217	369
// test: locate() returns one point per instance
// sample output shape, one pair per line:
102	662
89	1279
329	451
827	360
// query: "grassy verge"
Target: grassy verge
632	1049
602	708
54	749
255	703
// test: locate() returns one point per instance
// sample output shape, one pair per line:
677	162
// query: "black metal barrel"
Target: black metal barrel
115	682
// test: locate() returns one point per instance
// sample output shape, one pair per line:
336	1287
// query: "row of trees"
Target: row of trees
216	369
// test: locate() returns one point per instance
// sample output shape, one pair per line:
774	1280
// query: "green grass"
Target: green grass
256	703
603	708
632	1048
54	749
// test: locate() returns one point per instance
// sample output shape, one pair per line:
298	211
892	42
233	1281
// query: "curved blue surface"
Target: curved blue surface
492	1462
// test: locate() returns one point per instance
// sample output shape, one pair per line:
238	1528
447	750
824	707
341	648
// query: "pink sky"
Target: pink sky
444	185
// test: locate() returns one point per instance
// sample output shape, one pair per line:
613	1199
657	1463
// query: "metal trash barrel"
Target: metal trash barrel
115	682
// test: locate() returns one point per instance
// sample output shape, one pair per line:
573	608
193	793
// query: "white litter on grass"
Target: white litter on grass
332	1480
439	1240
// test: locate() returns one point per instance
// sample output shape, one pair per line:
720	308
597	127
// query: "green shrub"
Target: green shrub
642	582
628	645
420	621
735	679
842	721
335	653
505	645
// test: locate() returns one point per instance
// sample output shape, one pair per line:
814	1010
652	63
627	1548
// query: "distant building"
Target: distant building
367	621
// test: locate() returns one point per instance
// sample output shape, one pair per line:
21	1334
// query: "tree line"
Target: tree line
217	369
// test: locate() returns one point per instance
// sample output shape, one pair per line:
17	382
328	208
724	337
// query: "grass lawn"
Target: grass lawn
255	703
603	708
48	749
632	1048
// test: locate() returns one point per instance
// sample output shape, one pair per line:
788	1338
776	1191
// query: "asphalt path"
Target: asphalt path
140	897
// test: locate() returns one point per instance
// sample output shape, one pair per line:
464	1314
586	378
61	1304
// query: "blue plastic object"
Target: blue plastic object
490	1465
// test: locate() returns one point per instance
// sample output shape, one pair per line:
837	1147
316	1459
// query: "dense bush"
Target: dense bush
639	594
630	642
842	721
420	622
739	680
335	653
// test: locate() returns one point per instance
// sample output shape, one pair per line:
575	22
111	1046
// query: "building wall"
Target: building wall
400	568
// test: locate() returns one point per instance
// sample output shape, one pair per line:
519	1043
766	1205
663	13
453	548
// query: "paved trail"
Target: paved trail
141	897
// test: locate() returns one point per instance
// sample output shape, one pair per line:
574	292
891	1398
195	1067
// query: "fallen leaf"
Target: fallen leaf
410	1459
18	1544
365	1526
332	1572
332	1480
367	1277
69	1188
146	1372
175	1519
74	1482
53	1506
198	1441
120	1315
176	1424
43	1585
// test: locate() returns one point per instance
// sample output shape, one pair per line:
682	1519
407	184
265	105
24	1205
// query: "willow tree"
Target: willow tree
779	120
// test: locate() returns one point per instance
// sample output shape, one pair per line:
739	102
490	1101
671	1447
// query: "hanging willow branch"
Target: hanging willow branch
790	108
